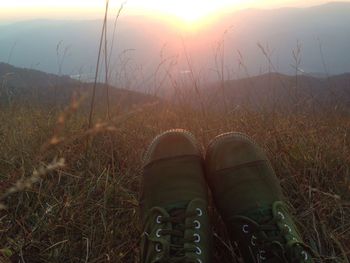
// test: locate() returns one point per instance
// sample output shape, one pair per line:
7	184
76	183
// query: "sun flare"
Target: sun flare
190	11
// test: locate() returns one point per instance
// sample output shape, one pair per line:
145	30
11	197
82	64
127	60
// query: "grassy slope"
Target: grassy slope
88	210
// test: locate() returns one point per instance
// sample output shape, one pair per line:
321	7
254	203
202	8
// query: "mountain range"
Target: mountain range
28	86
275	91
265	92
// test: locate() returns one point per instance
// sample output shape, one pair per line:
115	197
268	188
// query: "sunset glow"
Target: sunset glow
190	12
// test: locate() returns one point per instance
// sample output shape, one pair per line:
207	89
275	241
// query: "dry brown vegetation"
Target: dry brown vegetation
69	189
87	210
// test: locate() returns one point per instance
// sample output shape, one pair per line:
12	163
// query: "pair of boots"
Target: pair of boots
246	191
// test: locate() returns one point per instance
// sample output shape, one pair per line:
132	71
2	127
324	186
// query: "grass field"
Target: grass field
86	210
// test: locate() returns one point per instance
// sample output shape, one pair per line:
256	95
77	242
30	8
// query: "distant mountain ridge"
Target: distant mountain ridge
37	87
259	92
275	91
28	78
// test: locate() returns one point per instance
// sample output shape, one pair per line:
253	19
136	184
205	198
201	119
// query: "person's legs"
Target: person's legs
174	201
248	196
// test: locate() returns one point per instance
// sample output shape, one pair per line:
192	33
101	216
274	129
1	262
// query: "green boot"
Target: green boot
248	196
174	201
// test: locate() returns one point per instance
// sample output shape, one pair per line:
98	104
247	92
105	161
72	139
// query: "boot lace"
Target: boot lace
177	249
269	242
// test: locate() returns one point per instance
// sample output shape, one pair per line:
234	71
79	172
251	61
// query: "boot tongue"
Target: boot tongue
261	215
175	210
264	216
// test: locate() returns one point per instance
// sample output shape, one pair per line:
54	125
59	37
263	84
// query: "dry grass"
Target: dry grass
88	210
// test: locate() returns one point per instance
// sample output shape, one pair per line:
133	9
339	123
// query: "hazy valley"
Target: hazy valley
142	43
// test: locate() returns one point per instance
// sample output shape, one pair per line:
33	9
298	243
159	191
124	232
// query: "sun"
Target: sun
188	11
191	11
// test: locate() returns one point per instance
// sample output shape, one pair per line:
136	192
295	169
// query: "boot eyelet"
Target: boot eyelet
262	254
158	248
281	215
288	228
159	219
245	229
252	240
199	212
198	238
198	251
197	224
305	255
158	233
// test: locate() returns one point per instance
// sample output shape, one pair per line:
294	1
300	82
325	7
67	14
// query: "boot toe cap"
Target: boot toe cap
231	150
171	144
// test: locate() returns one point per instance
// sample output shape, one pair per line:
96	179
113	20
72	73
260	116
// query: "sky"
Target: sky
186	10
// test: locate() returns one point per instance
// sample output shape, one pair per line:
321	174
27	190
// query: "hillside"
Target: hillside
70	194
282	92
266	92
40	88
